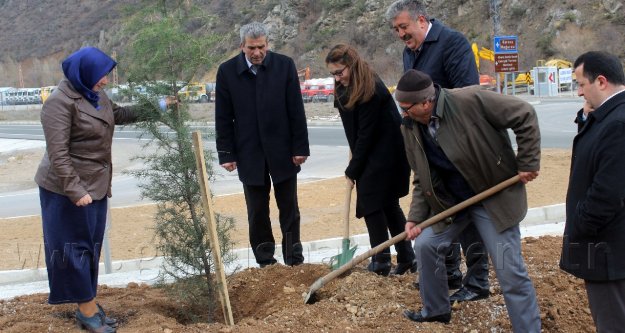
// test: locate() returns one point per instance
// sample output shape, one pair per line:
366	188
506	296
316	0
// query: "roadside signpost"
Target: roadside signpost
506	62
506	44
506	57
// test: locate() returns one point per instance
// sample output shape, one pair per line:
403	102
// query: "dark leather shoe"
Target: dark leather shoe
466	295
454	283
403	267
93	324
268	263
107	320
444	318
380	267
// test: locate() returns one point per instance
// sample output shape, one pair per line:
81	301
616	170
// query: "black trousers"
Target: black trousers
261	238
607	304
476	277
379	223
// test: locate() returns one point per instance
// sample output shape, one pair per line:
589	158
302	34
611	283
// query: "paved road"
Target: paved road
328	150
328	155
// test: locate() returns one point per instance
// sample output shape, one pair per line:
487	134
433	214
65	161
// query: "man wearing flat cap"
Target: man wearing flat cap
457	145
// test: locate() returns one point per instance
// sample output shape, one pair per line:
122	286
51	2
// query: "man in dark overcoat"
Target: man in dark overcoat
593	247
261	132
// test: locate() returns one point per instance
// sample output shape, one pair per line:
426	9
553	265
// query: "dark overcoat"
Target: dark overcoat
594	234
378	163
445	56
259	119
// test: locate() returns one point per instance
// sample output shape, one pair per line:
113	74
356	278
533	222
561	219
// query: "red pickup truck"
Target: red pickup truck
318	90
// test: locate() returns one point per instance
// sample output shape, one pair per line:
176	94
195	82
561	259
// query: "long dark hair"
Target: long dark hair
362	78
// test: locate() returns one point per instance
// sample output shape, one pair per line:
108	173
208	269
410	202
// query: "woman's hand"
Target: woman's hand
171	100
84	201
587	108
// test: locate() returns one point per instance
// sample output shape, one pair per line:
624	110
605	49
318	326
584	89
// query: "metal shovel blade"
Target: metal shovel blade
344	257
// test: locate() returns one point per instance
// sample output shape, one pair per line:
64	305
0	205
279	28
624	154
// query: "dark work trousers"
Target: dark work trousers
72	239
607	304
379	223
476	277
261	238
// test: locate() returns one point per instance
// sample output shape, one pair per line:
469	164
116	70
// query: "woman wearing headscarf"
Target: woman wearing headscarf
74	179
378	166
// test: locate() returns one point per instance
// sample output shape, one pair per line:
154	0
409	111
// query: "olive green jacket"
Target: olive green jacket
473	134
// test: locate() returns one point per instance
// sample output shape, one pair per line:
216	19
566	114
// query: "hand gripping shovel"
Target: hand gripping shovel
432	220
348	253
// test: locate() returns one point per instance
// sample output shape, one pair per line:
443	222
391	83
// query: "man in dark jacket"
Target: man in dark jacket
261	132
593	248
457	145
446	56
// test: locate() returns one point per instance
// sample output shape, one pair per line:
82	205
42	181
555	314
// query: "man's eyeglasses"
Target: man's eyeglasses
408	108
338	73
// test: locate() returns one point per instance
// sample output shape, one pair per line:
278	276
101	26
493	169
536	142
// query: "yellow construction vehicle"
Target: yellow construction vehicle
197	92
486	80
45	92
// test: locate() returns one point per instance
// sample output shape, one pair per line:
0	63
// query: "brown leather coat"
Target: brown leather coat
78	143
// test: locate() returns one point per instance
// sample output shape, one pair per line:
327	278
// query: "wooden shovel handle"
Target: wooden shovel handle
346	207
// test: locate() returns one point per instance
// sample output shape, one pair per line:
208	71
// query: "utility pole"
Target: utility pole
19	75
495	5
115	81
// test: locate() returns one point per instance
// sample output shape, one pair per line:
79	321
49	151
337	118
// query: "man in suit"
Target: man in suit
446	56
593	247
261	132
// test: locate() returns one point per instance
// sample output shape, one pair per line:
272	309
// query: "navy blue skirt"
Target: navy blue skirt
72	238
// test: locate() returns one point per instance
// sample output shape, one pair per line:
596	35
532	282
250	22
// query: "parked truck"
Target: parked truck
197	92
318	90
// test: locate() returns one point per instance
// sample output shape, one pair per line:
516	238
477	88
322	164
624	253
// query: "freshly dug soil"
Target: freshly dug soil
271	300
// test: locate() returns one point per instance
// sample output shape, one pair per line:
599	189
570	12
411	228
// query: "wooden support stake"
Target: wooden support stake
222	285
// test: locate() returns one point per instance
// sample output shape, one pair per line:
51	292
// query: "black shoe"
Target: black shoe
454	283
444	318
107	320
269	263
380	267
466	295
403	267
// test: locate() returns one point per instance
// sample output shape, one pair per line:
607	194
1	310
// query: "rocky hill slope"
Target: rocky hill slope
35	35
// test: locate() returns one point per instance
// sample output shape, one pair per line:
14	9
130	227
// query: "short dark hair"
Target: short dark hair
601	63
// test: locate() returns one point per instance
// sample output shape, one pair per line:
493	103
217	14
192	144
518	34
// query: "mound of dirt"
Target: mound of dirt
271	300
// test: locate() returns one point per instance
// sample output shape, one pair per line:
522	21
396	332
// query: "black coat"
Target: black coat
594	235
446	56
378	163
259	119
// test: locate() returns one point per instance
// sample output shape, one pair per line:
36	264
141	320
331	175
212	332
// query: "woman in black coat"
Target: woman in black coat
378	166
